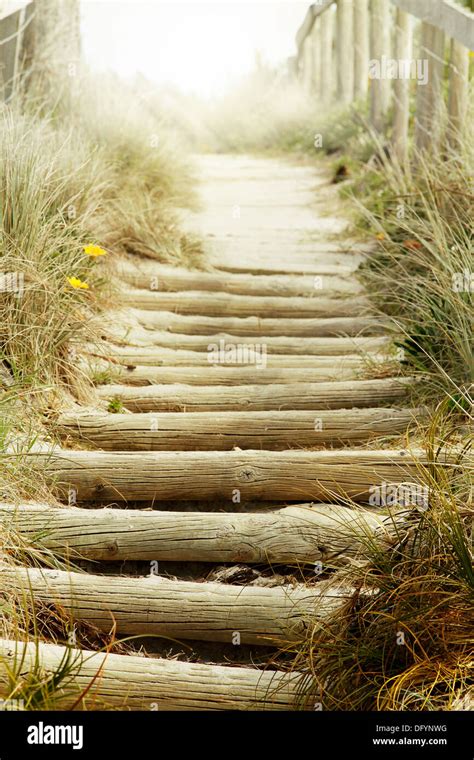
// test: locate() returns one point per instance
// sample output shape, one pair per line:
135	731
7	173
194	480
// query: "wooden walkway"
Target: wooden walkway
244	415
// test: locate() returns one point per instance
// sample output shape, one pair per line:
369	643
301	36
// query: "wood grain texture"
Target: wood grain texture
335	395
238	375
228	305
302	533
275	344
235	354
153	277
458	92
217	431
322	262
261	475
304	327
380	45
448	15
401	87
155	605
142	683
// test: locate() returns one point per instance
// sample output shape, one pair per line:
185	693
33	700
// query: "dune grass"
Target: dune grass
404	640
422	273
50	195
83	178
264	113
151	173
87	173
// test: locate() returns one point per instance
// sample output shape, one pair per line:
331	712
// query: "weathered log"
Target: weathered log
227	305
155	605
274	344
217	431
336	395
235	376
303	533
188	475
152	276
101	681
229	354
196	325
323	261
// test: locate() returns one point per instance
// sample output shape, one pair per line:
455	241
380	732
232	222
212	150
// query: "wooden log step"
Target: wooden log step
201	475
229	355
323	266
155	605
133	682
283	245
233	375
228	305
221	431
338	264
153	277
197	325
303	533
274	344
334	395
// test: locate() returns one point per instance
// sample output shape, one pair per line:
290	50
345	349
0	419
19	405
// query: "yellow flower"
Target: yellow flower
94	250
380	236
77	284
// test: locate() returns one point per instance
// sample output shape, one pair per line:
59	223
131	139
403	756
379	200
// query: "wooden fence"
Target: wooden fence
39	39
15	17
357	50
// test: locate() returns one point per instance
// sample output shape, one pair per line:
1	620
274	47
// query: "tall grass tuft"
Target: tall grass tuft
50	195
85	176
150	174
422	275
404	640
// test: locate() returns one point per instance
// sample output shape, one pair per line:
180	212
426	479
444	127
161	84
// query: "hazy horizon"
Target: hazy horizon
199	47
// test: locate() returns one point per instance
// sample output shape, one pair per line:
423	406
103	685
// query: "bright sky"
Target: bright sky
198	46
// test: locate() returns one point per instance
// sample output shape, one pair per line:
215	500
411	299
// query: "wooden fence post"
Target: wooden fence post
9	49
19	41
327	35
403	52
316	35
435	90
458	91
307	63
429	96
380	49
422	135
345	56
361	48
